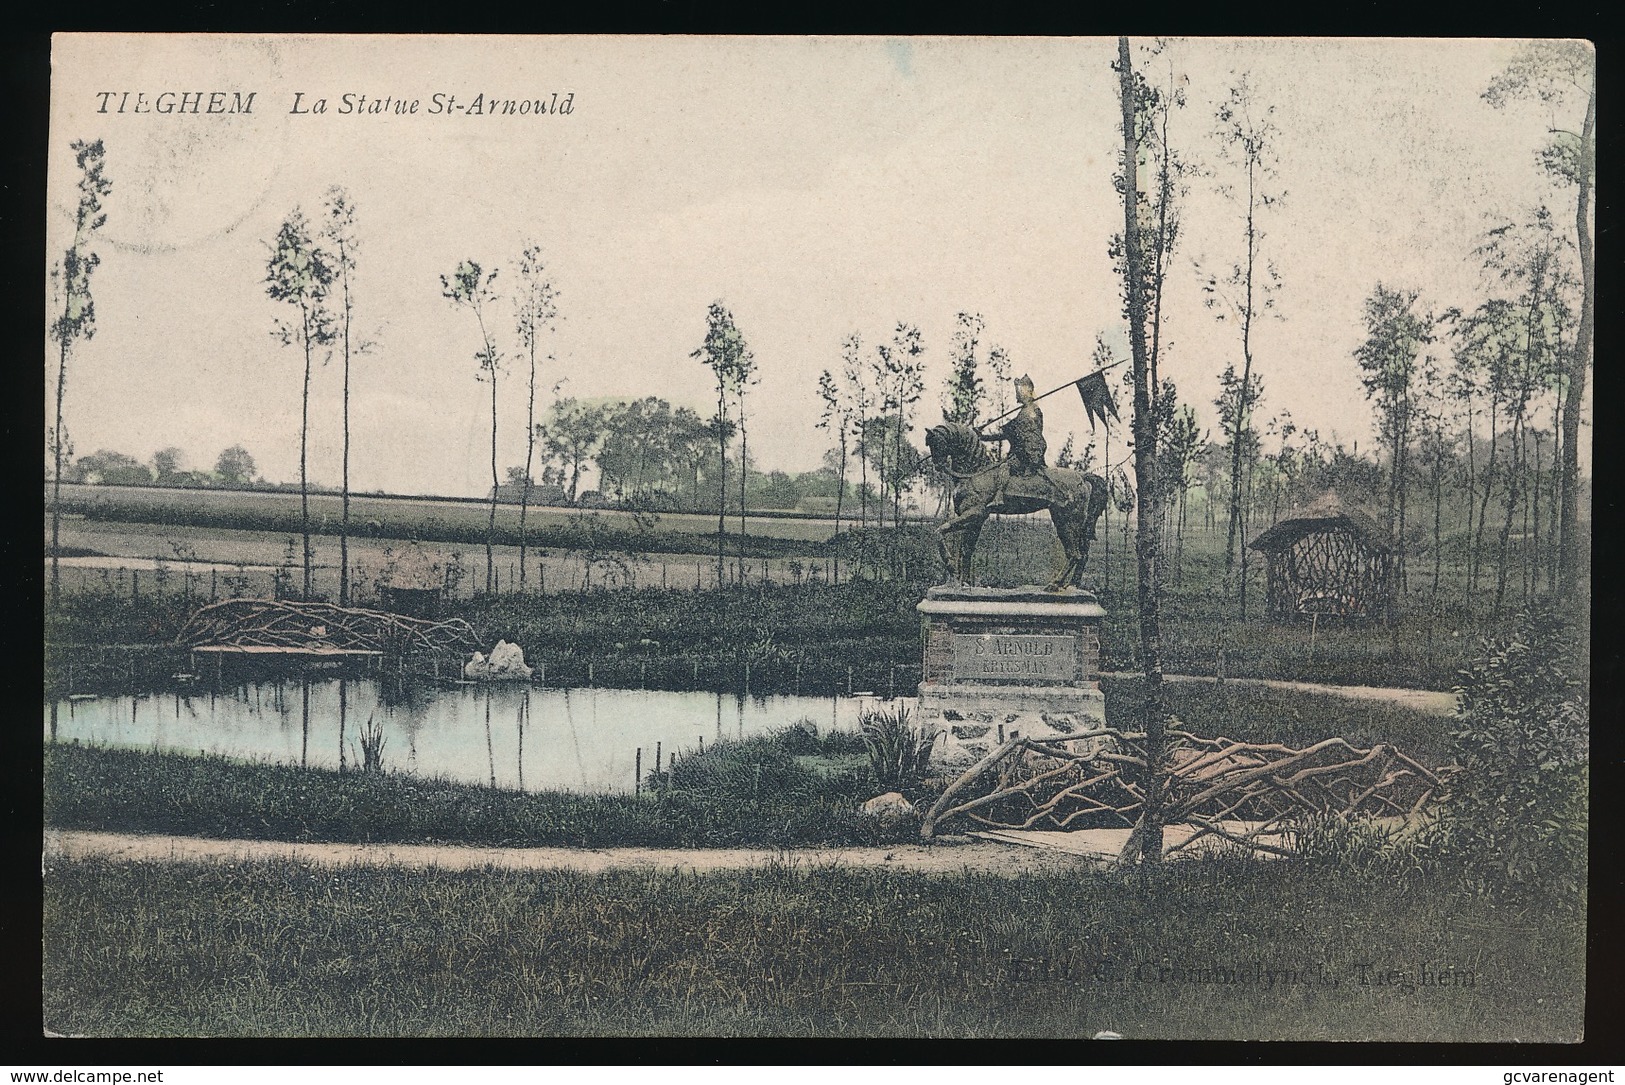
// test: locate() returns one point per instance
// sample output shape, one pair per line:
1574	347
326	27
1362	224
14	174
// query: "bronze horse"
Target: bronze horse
983	485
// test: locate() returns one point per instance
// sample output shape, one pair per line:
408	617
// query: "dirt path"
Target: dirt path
1422	700
980	857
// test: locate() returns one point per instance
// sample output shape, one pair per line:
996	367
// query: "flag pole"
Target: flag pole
1052	391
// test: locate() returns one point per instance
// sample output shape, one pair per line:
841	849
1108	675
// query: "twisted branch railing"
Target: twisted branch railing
1246	793
268	623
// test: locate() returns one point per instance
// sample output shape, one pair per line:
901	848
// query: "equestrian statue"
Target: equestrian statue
1016	483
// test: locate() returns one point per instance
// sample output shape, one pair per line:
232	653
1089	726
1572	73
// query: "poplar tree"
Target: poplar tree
71	279
1391	357
1247	143
724	352
834	418
470	287
1559	73
300	274
1146	839
338	231
859	399
536	310
963	395
900	377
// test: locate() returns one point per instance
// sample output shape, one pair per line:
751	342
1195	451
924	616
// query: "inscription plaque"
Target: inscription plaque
1014	657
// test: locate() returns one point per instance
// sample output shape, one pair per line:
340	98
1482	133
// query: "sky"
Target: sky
817	187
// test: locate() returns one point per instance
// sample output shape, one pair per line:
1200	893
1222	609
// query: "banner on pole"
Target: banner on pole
1097	398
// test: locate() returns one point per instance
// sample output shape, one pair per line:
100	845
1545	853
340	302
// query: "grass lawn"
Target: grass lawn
754	792
283	949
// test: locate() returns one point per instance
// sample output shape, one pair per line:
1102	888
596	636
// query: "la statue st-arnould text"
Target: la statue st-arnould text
438	104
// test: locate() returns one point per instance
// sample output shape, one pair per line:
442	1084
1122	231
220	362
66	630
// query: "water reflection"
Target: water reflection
501	736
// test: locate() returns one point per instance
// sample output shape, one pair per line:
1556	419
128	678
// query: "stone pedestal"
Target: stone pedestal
1007	661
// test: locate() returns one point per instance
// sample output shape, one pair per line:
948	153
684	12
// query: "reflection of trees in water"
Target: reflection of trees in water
282	719
575	739
344	704
406	702
404	692
183	700
490	754
520	719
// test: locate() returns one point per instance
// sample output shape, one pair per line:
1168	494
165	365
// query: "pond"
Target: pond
510	736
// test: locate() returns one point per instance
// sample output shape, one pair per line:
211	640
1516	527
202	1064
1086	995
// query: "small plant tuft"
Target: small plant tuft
898	752
372	746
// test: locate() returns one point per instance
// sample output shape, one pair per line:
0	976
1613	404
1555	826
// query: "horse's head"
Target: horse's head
953	441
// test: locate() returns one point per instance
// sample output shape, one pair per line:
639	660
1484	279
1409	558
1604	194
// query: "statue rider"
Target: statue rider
1025	432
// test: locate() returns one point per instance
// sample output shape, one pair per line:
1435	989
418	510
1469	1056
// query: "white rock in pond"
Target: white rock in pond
889	805
507	661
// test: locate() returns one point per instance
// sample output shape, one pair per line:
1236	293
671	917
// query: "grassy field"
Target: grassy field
228	561
429	518
283	949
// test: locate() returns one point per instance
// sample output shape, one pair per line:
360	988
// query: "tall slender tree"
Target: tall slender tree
860	399
535	311
1461	387
1391	357
963	395
1528	258
1485	353
724	352
745	377
339	236
300	274
1247	143
900	378
1157	204
1558	73
78	315
833	417
1146	839
470	287
998	362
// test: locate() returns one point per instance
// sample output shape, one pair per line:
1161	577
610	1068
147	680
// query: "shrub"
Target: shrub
1515	814
1354	845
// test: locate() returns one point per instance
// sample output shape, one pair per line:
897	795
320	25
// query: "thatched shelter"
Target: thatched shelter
413	583
1329	558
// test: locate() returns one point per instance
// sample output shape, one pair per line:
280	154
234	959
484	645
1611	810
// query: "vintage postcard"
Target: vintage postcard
818	536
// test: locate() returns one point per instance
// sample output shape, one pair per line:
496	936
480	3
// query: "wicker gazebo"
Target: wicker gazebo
414	584
1329	558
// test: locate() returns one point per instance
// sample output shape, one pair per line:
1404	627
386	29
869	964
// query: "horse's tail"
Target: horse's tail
1098	495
